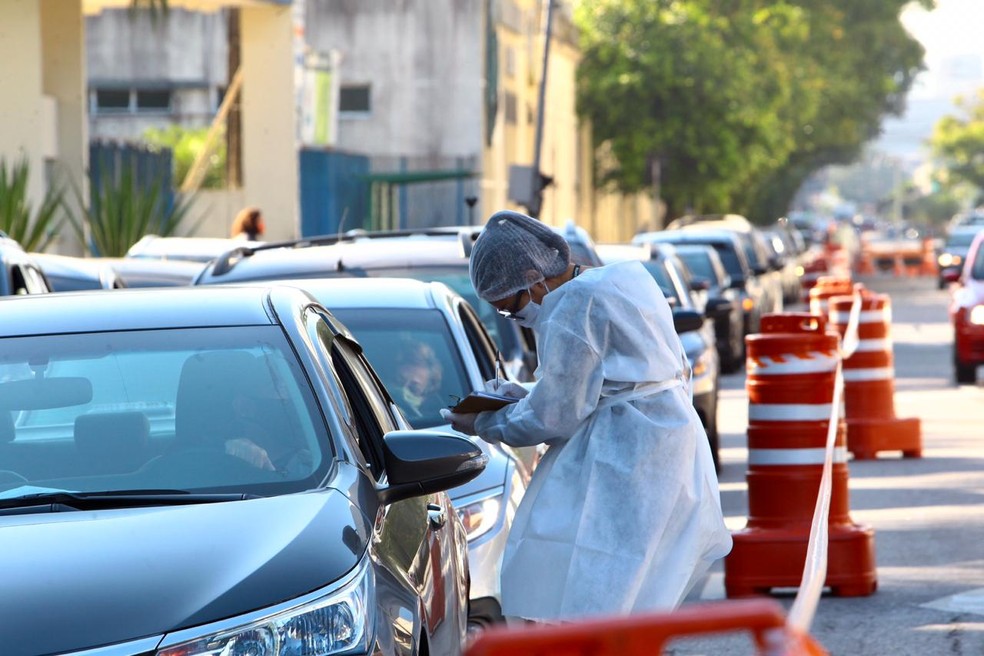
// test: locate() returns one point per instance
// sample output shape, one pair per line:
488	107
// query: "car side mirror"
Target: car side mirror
424	462
685	321
700	284
719	307
760	270
737	283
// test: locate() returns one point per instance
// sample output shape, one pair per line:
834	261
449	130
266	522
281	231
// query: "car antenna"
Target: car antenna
341	224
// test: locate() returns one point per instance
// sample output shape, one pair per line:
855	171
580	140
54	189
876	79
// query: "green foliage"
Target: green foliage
34	230
185	145
738	100
959	142
123	210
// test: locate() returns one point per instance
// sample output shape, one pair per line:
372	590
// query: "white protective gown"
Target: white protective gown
623	513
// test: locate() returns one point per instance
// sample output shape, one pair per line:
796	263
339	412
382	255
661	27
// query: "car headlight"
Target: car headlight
338	622
977	315
949	259
702	364
480	516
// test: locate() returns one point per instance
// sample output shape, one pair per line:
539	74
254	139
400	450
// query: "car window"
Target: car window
657	269
457	279
960	240
415	356
977	271
87	416
700	265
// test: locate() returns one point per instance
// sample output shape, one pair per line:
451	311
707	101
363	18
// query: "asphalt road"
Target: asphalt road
927	513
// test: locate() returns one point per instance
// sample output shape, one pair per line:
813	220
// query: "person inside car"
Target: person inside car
623	513
419	374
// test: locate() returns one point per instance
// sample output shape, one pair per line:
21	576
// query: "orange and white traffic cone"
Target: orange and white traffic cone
869	387
826	287
791	374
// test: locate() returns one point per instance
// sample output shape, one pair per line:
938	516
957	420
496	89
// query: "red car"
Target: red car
967	313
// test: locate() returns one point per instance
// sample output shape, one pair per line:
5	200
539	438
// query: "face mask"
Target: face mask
528	315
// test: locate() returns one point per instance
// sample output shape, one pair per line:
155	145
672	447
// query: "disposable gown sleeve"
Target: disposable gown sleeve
567	392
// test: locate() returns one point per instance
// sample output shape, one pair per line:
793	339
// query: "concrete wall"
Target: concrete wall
185	52
22	120
423	62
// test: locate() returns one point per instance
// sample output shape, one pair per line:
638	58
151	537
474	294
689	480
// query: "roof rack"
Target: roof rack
228	260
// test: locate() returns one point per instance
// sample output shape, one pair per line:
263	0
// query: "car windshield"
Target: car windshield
415	356
458	280
977	271
185	410
700	265
960	240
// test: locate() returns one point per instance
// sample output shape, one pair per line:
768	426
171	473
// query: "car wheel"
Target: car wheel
965	373
941	284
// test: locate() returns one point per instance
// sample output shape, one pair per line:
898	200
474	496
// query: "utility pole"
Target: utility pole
234	169
539	181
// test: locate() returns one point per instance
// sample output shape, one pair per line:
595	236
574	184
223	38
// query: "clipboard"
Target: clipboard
482	402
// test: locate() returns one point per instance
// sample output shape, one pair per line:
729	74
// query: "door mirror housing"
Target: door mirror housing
423	462
687	320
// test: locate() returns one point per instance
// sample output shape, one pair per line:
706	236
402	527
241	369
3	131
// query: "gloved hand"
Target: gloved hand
506	388
462	422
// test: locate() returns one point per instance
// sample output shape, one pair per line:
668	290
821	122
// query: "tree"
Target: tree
738	100
959	142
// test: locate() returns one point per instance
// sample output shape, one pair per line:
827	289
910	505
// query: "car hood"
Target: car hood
77	580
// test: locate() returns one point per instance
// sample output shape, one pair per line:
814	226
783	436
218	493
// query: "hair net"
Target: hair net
513	252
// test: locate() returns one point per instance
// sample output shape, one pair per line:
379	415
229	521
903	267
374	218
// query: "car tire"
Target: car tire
965	373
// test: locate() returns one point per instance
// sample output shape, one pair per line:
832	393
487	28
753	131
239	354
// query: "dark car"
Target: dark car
67	273
729	249
952	254
197	471
436	255
724	302
429	347
695	331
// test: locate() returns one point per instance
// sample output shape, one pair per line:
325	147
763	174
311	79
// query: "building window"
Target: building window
112	100
354	99
153	100
510	108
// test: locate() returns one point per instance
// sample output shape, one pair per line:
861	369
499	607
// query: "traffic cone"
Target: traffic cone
929	266
869	381
791	370
812	272
826	287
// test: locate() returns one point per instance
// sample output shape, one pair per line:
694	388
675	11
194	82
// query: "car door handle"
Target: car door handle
437	515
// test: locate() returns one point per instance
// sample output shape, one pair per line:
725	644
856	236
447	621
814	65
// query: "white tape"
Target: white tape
804	607
794	456
883	315
813	363
862	375
789	411
874	345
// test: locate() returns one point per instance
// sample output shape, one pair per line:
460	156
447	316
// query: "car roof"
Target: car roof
372	293
195	249
323	255
697	234
136	309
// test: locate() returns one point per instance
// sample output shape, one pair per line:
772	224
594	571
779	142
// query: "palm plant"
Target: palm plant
34	230
122	210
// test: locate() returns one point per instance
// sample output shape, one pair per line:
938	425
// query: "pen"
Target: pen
498	360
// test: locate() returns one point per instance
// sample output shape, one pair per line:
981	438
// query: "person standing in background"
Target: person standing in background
248	224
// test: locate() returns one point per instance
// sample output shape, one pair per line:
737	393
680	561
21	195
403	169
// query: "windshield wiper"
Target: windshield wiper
63	501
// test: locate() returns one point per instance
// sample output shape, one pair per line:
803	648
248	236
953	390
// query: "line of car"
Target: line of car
135	434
